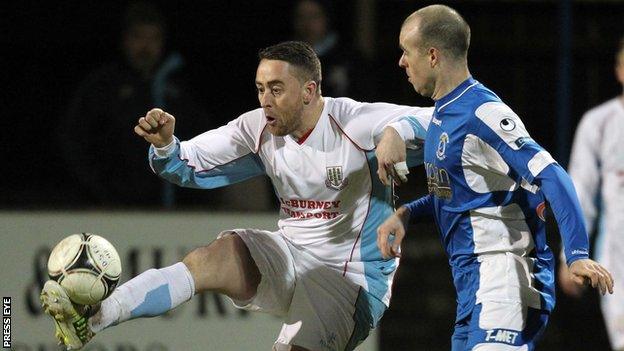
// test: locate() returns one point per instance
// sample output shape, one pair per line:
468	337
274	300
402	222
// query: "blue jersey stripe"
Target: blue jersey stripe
178	171
375	268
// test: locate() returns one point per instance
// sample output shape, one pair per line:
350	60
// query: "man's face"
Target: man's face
416	61
143	45
281	96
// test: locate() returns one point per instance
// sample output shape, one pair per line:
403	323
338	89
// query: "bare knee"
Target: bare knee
225	266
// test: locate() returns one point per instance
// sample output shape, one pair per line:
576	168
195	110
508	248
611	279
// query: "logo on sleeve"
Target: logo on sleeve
334	178
508	124
520	142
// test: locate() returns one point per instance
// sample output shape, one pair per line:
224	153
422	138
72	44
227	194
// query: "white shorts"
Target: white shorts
322	310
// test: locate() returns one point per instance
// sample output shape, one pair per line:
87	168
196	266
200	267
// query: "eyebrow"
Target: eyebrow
272	82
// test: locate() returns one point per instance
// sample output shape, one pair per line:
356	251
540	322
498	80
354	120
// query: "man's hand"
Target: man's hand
586	271
156	127
394	225
391	156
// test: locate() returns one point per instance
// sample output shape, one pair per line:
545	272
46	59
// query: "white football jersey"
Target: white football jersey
331	200
597	169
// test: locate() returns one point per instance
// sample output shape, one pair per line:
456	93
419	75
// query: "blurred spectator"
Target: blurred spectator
96	133
597	168
344	69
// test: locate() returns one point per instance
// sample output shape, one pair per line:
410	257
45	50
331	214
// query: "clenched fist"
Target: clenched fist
156	127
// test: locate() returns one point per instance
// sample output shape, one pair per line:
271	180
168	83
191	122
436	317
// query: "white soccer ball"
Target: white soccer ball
87	266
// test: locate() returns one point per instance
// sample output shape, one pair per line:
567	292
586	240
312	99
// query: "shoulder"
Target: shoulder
252	124
252	117
488	108
252	121
500	119
496	115
344	110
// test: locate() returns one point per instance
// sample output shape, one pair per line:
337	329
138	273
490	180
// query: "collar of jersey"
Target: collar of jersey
455	93
315	130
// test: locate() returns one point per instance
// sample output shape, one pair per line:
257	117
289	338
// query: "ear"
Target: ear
309	90
434	56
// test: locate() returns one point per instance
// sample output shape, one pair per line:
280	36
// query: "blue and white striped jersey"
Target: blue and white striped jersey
488	182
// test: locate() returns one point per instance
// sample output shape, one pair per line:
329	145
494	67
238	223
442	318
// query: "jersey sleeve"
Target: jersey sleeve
498	126
213	159
584	168
420	207
558	189
365	122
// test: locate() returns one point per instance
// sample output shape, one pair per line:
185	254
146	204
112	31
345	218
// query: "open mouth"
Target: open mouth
270	120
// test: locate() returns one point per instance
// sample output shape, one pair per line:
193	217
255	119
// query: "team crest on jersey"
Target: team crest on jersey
444	138
335	178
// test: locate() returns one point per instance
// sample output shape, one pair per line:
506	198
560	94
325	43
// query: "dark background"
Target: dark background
516	50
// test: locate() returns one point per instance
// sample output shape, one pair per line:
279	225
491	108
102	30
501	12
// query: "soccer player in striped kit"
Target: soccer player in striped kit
488	183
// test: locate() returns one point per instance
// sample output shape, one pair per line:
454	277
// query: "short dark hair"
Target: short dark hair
442	26
298	54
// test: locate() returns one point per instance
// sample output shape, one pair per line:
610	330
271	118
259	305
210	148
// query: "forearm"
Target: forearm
169	164
420	207
558	189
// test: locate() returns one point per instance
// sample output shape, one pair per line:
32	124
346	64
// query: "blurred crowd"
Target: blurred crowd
107	161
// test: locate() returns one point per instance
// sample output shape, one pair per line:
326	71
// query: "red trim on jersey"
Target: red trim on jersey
370	198
304	137
347	135
260	139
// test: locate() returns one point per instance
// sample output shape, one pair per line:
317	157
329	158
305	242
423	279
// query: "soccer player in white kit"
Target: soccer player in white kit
597	170
321	271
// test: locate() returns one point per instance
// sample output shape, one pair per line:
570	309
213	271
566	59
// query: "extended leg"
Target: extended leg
225	266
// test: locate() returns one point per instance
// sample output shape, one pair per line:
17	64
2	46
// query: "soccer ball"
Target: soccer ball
87	266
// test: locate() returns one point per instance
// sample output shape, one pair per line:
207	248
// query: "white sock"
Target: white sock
149	294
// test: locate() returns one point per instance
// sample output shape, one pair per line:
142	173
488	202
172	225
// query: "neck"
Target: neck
311	115
450	80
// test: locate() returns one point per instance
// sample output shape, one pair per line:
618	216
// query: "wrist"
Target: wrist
402	129
404	214
166	150
164	144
